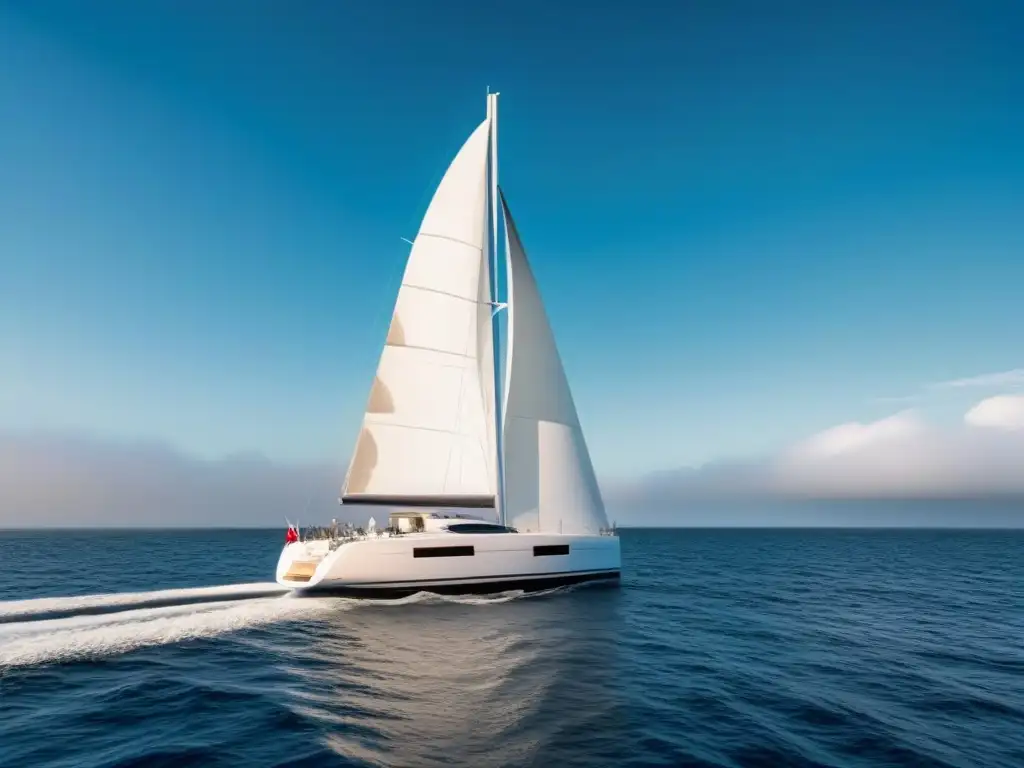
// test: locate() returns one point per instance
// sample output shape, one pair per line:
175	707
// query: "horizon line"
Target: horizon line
696	527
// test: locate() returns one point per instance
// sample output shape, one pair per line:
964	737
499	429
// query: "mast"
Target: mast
492	112
493	97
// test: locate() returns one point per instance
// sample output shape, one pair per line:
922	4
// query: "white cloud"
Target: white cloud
899	457
999	412
1012	380
853	437
1002	379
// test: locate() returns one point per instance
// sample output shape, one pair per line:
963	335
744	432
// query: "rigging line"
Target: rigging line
309	500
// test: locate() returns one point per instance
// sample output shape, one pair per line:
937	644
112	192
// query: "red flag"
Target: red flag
292	536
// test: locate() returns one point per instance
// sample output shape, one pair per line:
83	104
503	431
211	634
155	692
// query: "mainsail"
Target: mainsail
428	435
550	483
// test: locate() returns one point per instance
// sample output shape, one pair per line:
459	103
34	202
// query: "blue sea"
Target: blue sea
719	648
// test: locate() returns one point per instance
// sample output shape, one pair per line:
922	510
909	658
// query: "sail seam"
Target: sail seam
381	423
432	349
451	240
439	291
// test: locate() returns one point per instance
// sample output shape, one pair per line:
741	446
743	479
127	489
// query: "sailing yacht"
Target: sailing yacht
489	484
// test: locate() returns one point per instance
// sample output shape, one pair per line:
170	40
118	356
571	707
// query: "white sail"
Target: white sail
428	435
550	483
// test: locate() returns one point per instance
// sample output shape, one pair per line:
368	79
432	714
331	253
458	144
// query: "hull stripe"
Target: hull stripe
479	579
465	585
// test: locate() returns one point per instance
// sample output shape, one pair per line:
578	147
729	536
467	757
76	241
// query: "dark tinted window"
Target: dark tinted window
479	528
442	552
551	549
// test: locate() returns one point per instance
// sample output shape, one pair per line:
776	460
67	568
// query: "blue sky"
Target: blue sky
749	223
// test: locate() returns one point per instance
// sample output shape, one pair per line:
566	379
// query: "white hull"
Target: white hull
393	566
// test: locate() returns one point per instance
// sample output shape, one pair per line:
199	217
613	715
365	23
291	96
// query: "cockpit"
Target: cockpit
414	521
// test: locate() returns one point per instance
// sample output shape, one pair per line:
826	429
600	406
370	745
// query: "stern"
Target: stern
297	567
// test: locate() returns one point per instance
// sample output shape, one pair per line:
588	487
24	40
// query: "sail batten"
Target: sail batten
449	239
439	292
425	437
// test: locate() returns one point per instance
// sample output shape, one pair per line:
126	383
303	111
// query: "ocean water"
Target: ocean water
720	648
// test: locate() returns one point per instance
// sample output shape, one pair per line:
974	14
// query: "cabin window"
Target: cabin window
479	528
551	549
442	552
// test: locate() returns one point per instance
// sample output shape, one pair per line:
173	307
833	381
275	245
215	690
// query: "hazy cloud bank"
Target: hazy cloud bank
61	480
898	457
54	480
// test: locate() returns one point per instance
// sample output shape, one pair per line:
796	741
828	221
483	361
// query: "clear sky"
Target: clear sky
750	221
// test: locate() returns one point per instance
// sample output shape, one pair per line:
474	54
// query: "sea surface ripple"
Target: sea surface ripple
720	648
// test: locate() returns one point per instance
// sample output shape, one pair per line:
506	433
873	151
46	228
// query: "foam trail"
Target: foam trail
79	637
61	607
496	598
86	631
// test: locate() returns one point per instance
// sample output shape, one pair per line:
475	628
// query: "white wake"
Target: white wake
60	640
25	609
62	629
